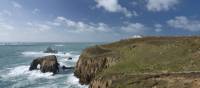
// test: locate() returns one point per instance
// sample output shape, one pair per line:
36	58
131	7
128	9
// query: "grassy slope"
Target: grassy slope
155	55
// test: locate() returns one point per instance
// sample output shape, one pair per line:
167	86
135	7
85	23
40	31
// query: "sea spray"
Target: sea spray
15	61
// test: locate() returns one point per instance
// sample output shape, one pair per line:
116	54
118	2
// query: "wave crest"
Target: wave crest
23	70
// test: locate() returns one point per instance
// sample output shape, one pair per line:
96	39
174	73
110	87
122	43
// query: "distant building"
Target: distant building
136	36
132	37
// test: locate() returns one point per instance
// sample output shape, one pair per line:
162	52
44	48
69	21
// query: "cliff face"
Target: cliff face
47	64
101	83
92	61
167	80
150	62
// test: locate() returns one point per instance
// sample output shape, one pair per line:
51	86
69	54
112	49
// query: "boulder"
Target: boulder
47	64
92	61
50	50
70	58
64	67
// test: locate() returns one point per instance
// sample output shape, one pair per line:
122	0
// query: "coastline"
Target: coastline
16	60
130	63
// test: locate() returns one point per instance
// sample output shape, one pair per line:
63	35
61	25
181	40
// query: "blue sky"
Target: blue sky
95	20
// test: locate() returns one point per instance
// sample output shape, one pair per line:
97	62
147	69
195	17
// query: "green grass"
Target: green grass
149	55
155	55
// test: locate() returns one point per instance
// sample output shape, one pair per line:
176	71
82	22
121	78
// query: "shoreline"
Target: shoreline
99	66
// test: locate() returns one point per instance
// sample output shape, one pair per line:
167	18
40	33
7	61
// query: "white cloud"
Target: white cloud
158	27
114	6
161	5
182	22
6	13
5	26
16	5
103	27
43	27
134	3
29	23
35	11
38	27
134	28
53	23
109	5
60	18
80	26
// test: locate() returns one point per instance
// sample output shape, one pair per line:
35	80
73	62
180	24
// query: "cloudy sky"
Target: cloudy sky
95	20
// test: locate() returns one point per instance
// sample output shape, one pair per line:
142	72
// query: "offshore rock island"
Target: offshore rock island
149	62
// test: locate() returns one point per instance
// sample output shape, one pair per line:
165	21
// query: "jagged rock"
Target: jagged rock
92	61
70	58
156	80
50	50
64	67
47	64
149	62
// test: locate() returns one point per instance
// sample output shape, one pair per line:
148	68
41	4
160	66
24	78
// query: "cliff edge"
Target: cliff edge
149	62
92	61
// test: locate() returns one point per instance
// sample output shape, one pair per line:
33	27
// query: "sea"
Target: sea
15	59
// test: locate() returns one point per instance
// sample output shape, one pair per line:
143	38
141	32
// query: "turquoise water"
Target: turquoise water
15	59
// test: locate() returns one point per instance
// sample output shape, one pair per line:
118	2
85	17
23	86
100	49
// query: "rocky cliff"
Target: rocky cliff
150	62
47	64
165	80
92	61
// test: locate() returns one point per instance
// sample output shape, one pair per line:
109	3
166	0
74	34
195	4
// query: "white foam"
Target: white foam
67	62
22	83
23	77
17	71
74	58
59	45
51	86
75	81
40	53
72	79
24	71
63	56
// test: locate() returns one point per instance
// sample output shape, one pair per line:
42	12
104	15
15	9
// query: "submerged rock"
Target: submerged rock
47	64
64	67
70	58
50	50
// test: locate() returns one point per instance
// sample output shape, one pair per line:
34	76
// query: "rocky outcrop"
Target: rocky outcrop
149	62
162	80
100	83
92	61
50	50
70	58
47	64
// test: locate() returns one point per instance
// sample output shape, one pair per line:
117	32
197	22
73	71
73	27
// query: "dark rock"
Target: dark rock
47	64
64	67
70	58
92	61
50	50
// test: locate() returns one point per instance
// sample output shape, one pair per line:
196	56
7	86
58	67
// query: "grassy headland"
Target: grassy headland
134	59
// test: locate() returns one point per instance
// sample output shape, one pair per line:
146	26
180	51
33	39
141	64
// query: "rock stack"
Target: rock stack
47	64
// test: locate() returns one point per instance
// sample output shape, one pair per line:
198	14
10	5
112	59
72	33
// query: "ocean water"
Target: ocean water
15	59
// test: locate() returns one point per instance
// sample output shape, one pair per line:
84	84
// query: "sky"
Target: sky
96	20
